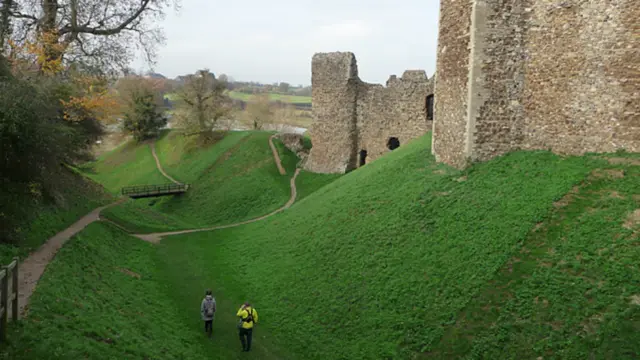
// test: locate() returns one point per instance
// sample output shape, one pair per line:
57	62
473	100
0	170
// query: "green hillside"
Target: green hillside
530	255
128	164
119	308
40	217
405	258
234	179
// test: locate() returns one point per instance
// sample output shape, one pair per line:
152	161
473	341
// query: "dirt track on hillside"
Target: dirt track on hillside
32	268
159	166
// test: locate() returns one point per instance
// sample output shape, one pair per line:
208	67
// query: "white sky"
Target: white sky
273	41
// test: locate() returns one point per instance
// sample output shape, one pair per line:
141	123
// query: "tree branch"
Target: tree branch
106	32
19	15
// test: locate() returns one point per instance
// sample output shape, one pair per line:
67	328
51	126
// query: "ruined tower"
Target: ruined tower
536	74
355	122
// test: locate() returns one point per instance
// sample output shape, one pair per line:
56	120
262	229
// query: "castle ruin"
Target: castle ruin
536	74
356	122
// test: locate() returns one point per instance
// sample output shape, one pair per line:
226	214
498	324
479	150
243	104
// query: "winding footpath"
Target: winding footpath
159	166
156	237
32	268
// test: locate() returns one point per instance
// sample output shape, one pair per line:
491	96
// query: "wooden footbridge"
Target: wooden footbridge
145	191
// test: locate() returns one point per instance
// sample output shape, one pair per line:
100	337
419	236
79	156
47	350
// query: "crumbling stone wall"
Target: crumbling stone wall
351	116
541	74
295	143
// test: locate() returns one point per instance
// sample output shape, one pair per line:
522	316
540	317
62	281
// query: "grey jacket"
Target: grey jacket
205	303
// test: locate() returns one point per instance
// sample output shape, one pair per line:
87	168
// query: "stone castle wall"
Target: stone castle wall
539	74
351	116
451	85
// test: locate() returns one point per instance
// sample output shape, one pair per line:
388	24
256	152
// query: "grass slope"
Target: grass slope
102	297
233	180
129	164
381	263
569	292
45	218
225	344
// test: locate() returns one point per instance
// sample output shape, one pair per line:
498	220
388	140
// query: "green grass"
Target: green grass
528	255
129	164
226	344
89	304
568	292
76	198
382	262
306	140
234	179
308	183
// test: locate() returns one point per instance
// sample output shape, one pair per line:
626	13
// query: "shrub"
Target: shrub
144	119
34	141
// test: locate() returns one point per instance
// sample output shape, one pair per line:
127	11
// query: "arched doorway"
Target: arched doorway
393	143
363	157
429	107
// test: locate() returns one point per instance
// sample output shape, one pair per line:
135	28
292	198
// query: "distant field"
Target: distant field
273	97
247	97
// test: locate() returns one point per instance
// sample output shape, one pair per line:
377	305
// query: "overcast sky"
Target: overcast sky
273	41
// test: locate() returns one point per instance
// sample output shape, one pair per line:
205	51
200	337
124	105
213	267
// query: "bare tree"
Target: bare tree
103	34
203	101
259	111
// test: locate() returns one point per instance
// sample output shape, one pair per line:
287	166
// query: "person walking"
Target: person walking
208	311
248	318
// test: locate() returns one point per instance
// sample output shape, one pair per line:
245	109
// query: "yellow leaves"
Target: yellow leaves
45	52
48	51
90	95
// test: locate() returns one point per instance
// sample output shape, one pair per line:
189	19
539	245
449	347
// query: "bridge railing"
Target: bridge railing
168	188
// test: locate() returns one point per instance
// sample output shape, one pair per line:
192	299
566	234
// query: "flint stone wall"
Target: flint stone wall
538	74
351	115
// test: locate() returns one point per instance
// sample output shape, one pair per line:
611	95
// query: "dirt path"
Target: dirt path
32	268
276	156
156	237
159	166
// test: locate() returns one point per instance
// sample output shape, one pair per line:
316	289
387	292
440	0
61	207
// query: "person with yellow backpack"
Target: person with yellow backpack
248	318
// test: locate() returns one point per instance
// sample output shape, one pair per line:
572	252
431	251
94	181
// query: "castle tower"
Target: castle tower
334	80
536	74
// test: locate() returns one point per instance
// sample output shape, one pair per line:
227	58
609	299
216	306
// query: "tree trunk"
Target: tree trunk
5	21
49	33
202	121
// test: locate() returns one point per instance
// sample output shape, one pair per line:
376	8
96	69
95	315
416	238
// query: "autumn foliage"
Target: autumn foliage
86	95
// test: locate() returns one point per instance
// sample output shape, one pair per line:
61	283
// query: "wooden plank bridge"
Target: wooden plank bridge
144	191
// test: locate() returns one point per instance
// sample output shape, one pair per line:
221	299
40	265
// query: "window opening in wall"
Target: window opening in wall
363	157
393	143
430	107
